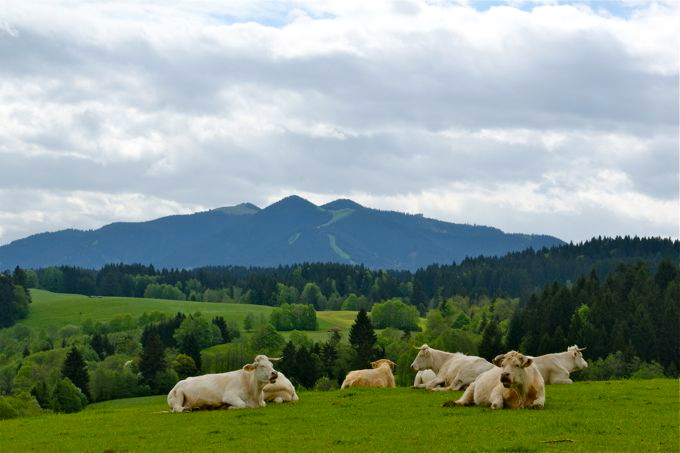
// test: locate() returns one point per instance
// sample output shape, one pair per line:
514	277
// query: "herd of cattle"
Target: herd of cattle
511	380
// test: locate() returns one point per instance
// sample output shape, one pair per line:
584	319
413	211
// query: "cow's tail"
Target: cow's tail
176	400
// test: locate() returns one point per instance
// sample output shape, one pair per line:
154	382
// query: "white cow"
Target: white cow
454	370
423	377
378	376
280	391
513	383
555	368
235	389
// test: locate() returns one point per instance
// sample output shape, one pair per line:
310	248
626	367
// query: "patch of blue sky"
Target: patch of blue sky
617	8
274	17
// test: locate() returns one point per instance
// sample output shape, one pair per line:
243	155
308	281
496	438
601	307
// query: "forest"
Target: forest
618	297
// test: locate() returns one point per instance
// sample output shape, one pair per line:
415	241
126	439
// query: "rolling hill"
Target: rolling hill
292	230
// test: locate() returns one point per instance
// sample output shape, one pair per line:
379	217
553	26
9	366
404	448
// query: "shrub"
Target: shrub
397	314
164	381
6	409
184	366
294	317
67	398
648	371
324	384
618	366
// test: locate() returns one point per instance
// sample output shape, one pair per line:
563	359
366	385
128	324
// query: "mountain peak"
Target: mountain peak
292	201
341	203
239	209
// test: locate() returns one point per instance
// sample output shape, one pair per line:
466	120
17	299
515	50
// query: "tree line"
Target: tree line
633	310
331	286
14	297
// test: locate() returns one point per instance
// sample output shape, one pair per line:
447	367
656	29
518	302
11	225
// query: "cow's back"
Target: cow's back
207	390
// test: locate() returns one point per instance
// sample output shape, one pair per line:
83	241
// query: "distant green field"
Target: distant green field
635	416
57	310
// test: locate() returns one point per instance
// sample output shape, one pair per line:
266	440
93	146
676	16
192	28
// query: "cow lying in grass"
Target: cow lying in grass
423	377
555	368
454	370
378	376
234	389
513	383
280	391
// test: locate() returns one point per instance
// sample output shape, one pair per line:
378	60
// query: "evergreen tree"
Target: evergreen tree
224	330
75	369
152	359
307	367
288	365
492	341
101	345
328	356
191	347
42	394
362	337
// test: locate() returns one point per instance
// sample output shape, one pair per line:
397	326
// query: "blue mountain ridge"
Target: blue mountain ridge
292	230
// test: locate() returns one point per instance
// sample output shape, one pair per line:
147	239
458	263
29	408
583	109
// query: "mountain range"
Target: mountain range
292	230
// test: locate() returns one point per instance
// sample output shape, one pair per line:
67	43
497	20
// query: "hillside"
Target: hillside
292	230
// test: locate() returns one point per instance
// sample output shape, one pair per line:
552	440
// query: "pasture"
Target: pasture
55	310
586	416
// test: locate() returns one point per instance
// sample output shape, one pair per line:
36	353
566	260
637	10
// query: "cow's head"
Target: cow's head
513	366
423	360
383	362
263	369
575	354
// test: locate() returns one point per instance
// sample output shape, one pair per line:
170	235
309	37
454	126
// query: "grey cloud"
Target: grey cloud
394	101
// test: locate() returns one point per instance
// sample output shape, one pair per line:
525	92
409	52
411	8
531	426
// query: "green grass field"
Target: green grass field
636	416
56	310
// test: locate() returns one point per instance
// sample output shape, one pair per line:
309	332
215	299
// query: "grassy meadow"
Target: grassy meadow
584	417
55	310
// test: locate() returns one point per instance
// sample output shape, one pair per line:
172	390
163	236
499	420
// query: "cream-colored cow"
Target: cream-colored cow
280	391
555	368
423	377
378	376
234	389
513	383
454	370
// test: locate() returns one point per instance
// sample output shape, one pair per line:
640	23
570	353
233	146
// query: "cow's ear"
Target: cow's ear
527	362
249	366
498	360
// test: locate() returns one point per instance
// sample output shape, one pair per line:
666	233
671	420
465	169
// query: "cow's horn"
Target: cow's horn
582	349
420	348
274	359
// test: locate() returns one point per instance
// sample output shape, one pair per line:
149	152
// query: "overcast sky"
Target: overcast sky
531	116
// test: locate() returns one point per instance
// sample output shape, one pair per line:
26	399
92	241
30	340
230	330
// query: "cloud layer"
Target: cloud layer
539	118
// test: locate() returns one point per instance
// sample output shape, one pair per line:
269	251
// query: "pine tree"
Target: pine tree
152	359
191	348
307	367
288	365
75	369
492	341
328	355
101	345
362	337
224	330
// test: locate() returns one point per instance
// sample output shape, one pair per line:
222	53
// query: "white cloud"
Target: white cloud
51	211
544	117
